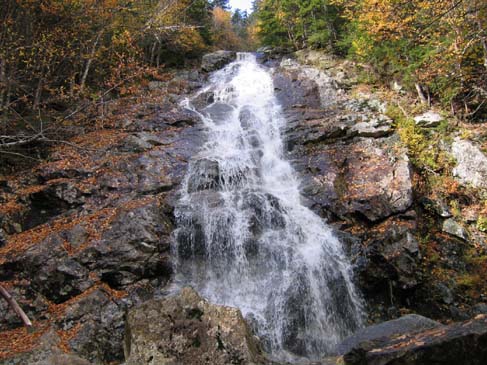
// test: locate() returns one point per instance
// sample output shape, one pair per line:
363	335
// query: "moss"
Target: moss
424	145
340	185
469	281
482	224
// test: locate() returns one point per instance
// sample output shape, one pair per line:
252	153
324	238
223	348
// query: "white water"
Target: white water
244	238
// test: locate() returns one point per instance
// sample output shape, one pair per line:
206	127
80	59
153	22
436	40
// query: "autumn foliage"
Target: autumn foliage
60	57
435	48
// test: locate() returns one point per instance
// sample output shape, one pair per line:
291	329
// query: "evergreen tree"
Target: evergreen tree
224	4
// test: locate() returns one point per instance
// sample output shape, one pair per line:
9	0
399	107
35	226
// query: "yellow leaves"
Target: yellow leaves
224	36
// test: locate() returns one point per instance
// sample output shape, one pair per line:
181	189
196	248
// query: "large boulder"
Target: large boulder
462	343
429	119
471	165
186	329
217	60
404	325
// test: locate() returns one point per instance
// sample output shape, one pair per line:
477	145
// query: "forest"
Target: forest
59	55
437	47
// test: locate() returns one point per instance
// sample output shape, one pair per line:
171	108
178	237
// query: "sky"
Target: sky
241	4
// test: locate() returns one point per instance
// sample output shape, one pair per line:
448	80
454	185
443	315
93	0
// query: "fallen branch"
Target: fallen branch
19	155
13	304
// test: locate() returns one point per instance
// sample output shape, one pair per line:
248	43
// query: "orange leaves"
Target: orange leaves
20	340
224	37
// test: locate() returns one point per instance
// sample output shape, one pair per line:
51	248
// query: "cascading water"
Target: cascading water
244	239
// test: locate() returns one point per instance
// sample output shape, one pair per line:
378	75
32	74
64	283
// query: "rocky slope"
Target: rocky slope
85	236
87	233
407	236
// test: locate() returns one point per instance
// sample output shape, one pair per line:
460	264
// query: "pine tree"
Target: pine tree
224	4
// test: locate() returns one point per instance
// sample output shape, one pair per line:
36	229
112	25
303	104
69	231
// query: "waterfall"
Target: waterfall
244	238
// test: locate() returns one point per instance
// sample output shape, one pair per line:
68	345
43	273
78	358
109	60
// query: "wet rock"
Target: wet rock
204	175
452	227
459	343
216	60
180	118
203	99
218	112
402	326
471	168
429	119
186	329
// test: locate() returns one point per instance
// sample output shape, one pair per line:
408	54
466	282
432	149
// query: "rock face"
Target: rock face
471	165
354	173
460	343
185	330
88	236
401	326
216	60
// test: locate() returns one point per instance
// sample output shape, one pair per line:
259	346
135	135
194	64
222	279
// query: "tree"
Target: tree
224	36
57	55
223	4
435	47
300	23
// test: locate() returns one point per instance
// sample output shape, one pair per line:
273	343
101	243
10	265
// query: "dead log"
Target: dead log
14	305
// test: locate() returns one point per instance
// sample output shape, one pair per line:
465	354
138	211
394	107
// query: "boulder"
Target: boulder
217	60
401	326
471	165
376	127
429	119
186	329
453	228
462	343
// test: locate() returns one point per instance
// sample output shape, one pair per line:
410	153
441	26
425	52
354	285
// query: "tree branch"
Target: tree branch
13	304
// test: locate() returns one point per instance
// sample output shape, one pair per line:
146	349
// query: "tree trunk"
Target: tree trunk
90	61
38	95
422	96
